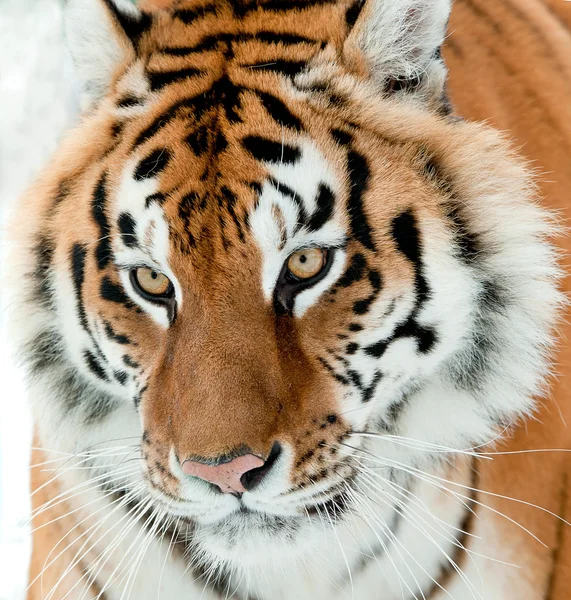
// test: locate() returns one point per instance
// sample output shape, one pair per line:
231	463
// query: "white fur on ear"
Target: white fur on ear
99	42
401	38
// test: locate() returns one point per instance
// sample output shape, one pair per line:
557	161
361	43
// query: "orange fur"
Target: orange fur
510	64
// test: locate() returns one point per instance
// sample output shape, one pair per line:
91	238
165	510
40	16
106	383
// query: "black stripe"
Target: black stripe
130	362
210	42
280	112
44	252
292	195
324	210
354	271
114	293
153	164
113	335
189	16
361	307
78	255
243	8
121	377
127	227
133	26
353	12
94	366
98	206
129	102
160	80
359	175
270	151
231	201
407	240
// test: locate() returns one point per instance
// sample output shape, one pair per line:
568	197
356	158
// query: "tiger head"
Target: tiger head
268	252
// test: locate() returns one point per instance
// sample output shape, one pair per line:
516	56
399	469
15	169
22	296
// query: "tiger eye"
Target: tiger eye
307	263
153	282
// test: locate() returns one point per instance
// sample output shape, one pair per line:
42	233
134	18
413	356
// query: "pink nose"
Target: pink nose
225	475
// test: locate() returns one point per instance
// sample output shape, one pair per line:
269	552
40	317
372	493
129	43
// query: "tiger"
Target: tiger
290	300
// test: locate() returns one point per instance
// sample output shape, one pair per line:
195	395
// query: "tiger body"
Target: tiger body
390	394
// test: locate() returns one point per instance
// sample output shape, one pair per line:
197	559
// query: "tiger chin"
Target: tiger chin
278	306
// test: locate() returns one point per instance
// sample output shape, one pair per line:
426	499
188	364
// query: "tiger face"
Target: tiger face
268	250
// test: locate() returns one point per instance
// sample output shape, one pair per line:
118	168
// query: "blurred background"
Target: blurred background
37	103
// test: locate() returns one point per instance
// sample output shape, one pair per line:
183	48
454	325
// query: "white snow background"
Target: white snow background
37	102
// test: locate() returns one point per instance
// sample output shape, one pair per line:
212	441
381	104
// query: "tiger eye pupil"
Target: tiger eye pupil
303	258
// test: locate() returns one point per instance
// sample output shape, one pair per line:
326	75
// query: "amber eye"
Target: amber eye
307	263
152	283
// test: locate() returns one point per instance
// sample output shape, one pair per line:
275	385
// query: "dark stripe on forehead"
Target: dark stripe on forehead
153	164
246	6
98	208
359	175
292	195
159	80
127	227
324	210
269	151
279	111
189	16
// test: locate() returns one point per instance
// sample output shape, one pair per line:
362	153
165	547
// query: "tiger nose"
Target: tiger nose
231	477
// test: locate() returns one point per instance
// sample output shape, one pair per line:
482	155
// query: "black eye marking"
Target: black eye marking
269	151
152	165
325	204
127	227
113	292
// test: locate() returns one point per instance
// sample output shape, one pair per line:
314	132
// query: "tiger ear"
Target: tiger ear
400	42
102	35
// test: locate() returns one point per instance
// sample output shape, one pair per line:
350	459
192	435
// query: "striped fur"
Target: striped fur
218	139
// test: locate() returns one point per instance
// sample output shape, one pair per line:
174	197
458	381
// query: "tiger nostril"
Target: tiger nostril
252	478
235	476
